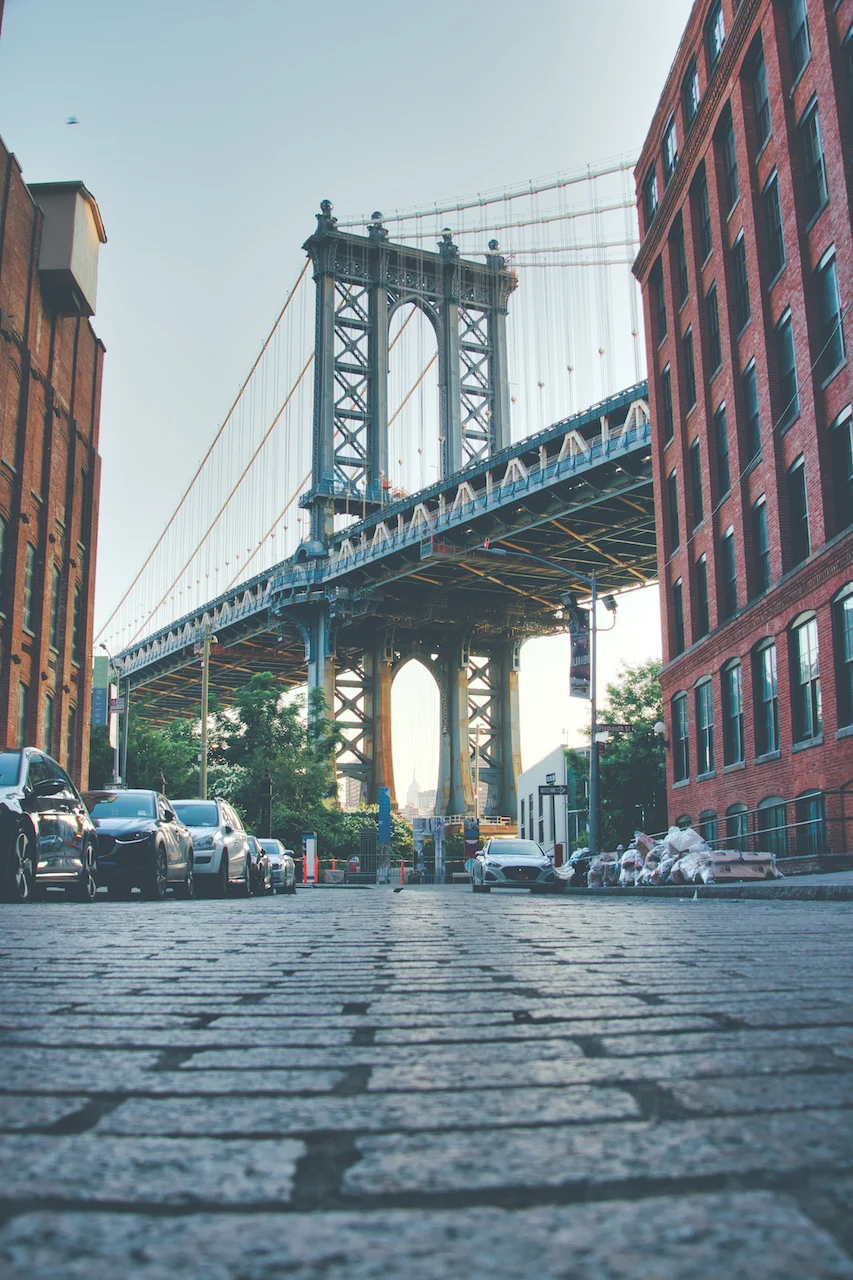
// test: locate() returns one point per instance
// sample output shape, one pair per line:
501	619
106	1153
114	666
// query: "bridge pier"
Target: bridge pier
455	784
321	659
380	675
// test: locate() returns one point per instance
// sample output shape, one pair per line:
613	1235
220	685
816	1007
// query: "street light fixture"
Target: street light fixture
119	766
569	601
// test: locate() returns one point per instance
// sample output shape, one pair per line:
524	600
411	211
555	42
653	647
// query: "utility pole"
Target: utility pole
205	687
477	774
125	724
593	726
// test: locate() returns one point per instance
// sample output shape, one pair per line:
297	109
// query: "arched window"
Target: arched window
680	739
27	611
704	699
684	821
732	691
805	679
76	625
47	744
737	830
765	695
842	633
55	586
708	826
772	820
811	823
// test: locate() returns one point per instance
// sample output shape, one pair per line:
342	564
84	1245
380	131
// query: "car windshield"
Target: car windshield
271	847
10	765
122	804
514	849
196	813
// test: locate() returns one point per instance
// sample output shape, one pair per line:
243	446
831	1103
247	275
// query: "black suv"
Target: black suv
142	844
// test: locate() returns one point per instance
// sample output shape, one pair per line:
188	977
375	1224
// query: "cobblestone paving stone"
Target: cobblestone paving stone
427	1084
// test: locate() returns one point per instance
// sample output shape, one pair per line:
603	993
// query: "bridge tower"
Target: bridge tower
360	283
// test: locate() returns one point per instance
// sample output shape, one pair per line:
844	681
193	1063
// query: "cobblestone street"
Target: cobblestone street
356	1084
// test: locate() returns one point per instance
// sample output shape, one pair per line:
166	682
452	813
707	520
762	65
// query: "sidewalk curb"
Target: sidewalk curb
772	890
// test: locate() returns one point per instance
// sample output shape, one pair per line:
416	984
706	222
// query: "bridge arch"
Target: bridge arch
414	400
415	701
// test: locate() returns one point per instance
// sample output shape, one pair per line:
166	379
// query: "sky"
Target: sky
210	131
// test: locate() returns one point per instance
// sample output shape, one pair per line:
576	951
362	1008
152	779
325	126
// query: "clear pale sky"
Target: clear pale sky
209	132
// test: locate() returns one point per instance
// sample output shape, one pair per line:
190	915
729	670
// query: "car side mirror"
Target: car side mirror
227	831
168	816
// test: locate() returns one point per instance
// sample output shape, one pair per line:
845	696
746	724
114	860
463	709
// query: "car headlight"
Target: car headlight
203	842
136	837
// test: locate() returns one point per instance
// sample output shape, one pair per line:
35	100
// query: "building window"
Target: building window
786	365
703	619
721	445
761	545
810	814
760	100
48	726
23	692
773	227
715	34
841	449
666	403
805	681
523	828
715	347
669	152
831	355
799	41
659	298
541	821
730	173
798	512
3	554
728	574
77	619
704	696
703	213
689	369
732	690
696	484
679	258
771	826
71	758
672	500
737	830
708	827
27	613
680	739
766	699
842	627
814	165
530	832
690	96
650	196
54	607
752	418
678	617
743	311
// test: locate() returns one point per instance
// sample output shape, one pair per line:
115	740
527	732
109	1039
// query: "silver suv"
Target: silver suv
220	845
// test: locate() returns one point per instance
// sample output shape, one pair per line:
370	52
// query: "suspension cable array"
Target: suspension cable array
574	337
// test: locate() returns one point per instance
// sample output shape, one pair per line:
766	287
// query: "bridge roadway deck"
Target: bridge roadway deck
426	1086
579	492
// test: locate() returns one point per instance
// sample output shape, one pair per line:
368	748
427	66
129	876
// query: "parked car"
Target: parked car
47	839
282	866
142	844
221	846
261	869
507	863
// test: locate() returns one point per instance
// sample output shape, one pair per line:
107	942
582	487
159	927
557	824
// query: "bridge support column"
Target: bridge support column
455	785
380	675
503	792
321	661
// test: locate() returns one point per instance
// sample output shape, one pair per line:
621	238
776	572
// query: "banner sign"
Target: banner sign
100	707
384	815
579	671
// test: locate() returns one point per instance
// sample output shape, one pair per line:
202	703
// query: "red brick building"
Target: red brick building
50	391
746	266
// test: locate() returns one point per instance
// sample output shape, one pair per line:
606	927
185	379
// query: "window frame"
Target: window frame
651	201
762	113
765	699
667	410
722	450
672	511
715	337
816	192
715	35
703	600
703	710
761	545
28	591
801	34
841	451
751	411
830	324
796	494
691	96
688	355
697	502
731	692
728	574
774	229
740	272
669	151
806	709
842	654
731	173
678	617
787	379
680	737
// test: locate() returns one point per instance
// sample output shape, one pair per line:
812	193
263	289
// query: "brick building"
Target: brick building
50	391
746	267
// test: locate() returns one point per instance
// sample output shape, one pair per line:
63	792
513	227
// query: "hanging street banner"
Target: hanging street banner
384	815
579	670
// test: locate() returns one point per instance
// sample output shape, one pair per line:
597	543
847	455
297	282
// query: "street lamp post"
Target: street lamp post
117	774
610	604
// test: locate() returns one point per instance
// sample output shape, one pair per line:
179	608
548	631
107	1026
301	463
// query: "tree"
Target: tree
633	766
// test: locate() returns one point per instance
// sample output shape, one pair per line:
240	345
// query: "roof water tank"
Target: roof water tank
71	237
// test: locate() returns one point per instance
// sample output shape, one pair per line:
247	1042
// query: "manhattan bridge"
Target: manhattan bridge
441	388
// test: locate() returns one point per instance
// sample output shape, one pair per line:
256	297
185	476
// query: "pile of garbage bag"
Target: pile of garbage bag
682	857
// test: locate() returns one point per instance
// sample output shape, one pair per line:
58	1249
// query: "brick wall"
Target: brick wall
758	26
50	390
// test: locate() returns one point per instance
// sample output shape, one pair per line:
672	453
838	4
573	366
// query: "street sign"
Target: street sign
116	706
579	670
550	778
615	728
554	789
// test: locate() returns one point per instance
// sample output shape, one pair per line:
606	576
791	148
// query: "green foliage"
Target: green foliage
169	755
101	758
633	766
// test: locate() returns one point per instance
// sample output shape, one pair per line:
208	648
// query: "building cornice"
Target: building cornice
696	140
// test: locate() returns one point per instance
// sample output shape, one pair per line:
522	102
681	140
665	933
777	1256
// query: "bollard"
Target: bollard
316	869
402	878
304	869
334	864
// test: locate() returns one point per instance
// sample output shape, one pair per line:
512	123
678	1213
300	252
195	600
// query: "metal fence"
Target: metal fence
812	824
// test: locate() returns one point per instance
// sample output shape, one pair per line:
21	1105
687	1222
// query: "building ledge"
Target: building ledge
804	746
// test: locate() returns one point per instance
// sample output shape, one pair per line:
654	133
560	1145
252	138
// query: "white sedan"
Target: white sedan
507	863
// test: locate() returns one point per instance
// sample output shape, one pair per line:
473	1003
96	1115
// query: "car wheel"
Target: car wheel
186	889
157	880
291	888
244	886
86	889
21	875
220	886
